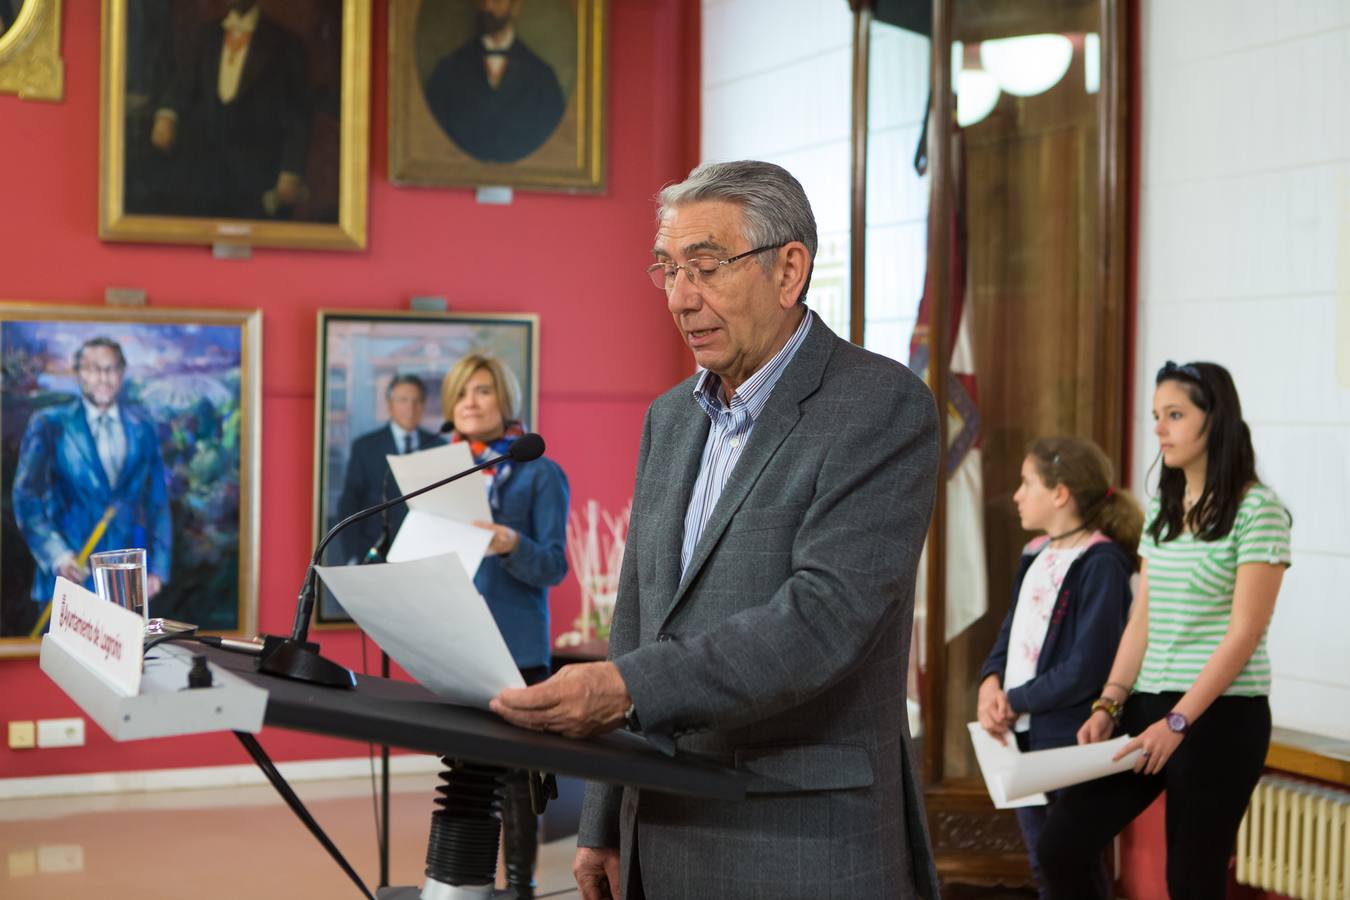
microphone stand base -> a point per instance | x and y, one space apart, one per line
300 661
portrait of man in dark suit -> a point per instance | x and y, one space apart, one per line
9 11
368 480
229 128
85 460
493 96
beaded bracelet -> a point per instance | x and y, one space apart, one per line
1108 706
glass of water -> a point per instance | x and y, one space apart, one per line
119 577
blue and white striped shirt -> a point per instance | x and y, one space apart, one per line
731 427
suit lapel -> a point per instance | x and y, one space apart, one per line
78 431
128 422
680 464
260 49
799 380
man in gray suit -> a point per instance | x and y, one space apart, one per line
783 495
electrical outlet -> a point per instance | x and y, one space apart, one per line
60 732
55 858
22 736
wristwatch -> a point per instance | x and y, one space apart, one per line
631 718
1177 722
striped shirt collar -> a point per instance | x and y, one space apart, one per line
751 396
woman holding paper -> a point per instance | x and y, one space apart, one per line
1191 675
526 557
1069 606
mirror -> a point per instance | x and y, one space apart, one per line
1032 169
30 49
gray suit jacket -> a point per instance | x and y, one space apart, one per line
783 650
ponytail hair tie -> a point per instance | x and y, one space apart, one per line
1110 492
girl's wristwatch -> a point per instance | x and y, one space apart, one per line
1177 722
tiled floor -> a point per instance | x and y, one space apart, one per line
223 844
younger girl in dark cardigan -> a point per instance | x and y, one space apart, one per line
1070 602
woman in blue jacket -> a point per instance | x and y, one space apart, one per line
525 558
1070 602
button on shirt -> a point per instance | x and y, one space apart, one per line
730 431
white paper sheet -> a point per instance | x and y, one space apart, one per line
428 617
1021 775
995 759
424 534
464 500
438 521
1050 770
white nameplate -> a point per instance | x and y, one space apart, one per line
102 635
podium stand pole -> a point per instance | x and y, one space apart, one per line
384 792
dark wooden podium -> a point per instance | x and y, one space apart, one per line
482 745
477 746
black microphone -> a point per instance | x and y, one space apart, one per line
298 657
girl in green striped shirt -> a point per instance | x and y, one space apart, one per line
1191 675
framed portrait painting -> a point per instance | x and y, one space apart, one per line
30 49
378 393
235 122
124 428
497 92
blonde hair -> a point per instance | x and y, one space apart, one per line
508 389
1082 467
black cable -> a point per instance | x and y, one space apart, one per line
165 638
260 757
209 640
376 799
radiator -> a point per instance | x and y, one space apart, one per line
1295 840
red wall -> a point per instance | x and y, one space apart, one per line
607 346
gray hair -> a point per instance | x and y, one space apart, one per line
106 343
772 202
405 378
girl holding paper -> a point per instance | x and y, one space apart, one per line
1069 606
1191 675
526 557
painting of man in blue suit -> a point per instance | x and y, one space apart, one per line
80 459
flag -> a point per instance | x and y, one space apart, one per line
967 594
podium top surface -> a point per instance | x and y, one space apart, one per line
404 714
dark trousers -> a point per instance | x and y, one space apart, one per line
1208 780
1032 819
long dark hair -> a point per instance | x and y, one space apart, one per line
1230 461
1083 468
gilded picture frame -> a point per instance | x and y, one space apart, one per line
30 49
358 354
182 388
515 102
283 162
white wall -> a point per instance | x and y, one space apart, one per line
776 85
1245 261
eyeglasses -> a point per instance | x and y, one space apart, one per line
702 270
105 371
1172 370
